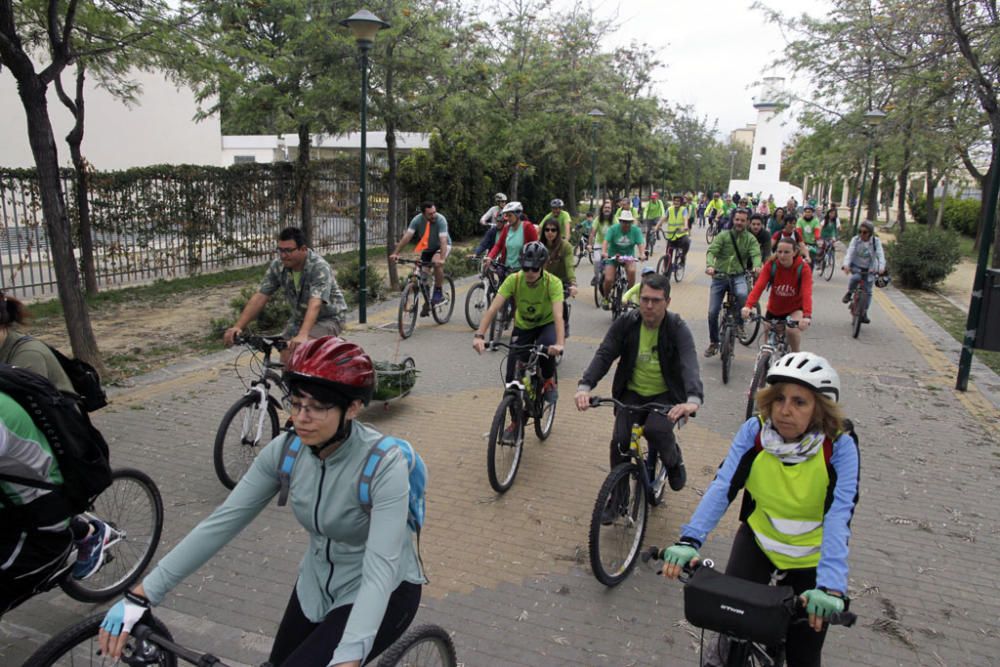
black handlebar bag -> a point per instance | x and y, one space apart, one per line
747 610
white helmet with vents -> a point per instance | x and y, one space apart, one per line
809 370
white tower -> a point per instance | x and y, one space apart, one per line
765 162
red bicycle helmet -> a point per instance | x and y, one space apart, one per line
335 363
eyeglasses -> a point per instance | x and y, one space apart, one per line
314 411
531 269
651 300
285 251
551 229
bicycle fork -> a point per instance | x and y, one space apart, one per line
262 394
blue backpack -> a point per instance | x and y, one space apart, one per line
415 464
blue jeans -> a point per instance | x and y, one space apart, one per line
489 240
715 295
856 278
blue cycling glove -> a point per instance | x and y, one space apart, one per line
124 615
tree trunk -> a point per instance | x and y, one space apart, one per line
628 174
930 184
305 182
571 195
513 183
81 178
43 149
903 181
939 218
871 206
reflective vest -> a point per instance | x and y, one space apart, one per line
677 219
789 504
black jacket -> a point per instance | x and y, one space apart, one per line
678 358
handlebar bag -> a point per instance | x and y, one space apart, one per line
747 610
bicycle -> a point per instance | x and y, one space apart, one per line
618 287
132 509
523 399
581 248
151 643
480 295
420 282
826 261
728 330
775 348
618 521
252 421
858 304
652 236
668 264
752 619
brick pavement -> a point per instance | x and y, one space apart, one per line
510 576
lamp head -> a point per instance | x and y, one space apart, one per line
363 25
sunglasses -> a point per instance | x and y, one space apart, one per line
551 229
527 269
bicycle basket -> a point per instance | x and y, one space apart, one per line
741 608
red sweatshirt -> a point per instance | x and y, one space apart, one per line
788 293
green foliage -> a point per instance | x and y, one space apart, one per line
349 280
960 215
923 256
272 319
457 265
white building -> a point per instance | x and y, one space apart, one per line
765 161
275 148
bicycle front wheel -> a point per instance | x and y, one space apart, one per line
710 232
502 322
506 443
409 304
476 303
831 262
545 415
679 270
618 524
242 433
759 377
429 645
750 331
77 645
133 511
442 311
663 266
726 336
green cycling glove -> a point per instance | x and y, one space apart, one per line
679 554
822 604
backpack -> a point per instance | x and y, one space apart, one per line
417 475
78 447
84 377
774 271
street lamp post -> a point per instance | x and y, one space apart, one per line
873 118
363 25
697 173
595 116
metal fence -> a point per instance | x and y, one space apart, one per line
168 222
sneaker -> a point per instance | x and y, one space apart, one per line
90 551
509 436
549 391
605 304
711 350
847 298
425 311
593 281
437 298
741 332
865 320
677 476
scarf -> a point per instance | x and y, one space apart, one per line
790 452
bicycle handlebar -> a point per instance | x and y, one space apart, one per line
542 350
659 408
787 321
418 262
262 343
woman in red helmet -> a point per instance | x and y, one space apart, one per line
359 582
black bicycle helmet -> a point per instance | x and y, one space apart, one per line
534 255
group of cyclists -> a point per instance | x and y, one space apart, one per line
359 583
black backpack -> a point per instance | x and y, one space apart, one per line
77 445
84 377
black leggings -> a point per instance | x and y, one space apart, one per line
804 645
302 643
658 429
543 335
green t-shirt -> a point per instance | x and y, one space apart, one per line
620 243
297 279
809 228
654 210
533 302
647 377
564 221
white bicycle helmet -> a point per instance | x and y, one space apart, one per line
513 207
626 216
809 370
501 197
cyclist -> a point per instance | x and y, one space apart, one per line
790 231
562 217
678 228
653 215
799 472
625 205
359 582
657 363
560 264
810 226
622 240
790 280
864 252
731 253
516 234
715 208
309 286
433 244
538 315
631 296
756 228
702 204
831 229
776 222
492 220
23 448
604 221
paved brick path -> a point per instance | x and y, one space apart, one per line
510 575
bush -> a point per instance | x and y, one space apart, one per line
960 215
458 265
272 319
923 256
349 278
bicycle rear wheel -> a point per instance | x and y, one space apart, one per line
133 511
545 414
409 304
618 524
759 377
750 332
679 270
476 303
429 645
77 645
242 433
503 458
442 311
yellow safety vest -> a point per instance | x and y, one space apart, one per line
677 219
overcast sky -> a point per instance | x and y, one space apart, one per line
713 50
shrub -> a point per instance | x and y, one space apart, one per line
349 275
272 319
458 265
960 215
923 256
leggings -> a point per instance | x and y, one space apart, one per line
302 643
543 335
